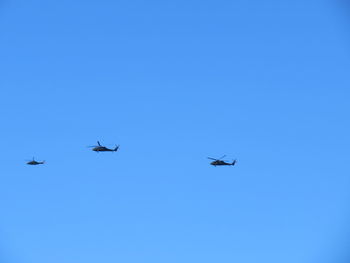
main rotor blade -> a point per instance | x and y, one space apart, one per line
222 157
212 159
98 143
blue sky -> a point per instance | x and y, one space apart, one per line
173 82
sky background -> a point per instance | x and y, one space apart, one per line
173 82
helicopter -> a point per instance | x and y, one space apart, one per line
220 162
99 148
33 162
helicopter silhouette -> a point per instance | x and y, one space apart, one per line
220 162
99 148
33 162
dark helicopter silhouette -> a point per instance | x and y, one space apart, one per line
100 148
33 162
219 162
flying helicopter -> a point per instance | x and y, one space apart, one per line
33 162
220 162
100 148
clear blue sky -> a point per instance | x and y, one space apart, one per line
173 82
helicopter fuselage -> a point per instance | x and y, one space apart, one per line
103 149
34 163
221 163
